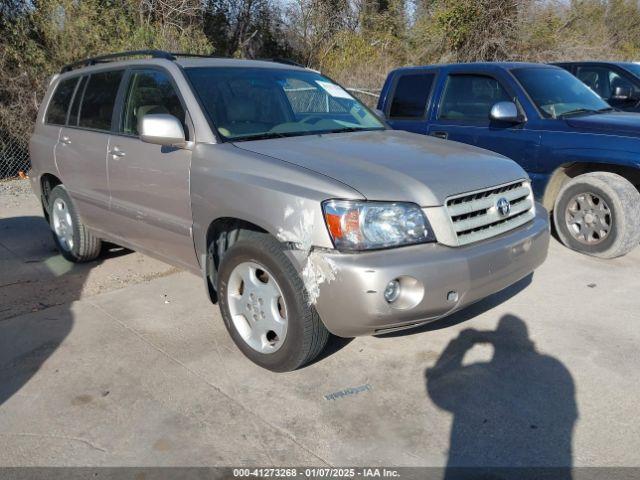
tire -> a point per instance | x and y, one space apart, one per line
73 239
614 202
305 336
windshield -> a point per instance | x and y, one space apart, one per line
633 68
258 103
557 93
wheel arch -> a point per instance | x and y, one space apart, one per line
48 182
567 171
221 234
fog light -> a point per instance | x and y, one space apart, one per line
392 291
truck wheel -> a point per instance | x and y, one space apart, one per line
72 238
597 214
264 305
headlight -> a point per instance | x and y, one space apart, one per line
360 225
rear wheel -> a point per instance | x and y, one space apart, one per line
72 238
264 305
596 214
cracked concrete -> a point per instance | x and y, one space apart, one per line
118 376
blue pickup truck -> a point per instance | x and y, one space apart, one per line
582 155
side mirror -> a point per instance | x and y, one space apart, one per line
505 112
161 129
622 93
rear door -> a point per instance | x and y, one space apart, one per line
408 107
149 183
82 149
463 115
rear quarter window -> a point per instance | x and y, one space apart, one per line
57 111
99 100
411 95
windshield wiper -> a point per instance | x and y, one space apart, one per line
578 111
265 136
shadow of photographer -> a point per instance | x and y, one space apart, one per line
516 410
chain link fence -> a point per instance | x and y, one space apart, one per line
14 152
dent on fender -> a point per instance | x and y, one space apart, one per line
298 227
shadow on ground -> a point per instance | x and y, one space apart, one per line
516 410
33 277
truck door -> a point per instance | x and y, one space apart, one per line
410 96
463 116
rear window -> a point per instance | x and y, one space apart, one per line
99 100
411 95
57 112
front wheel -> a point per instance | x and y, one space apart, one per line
264 305
597 214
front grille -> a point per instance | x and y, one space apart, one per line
475 216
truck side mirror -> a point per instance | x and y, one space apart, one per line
505 112
161 129
622 93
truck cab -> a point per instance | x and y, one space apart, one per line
580 153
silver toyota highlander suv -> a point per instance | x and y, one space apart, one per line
302 211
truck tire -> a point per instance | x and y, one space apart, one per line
597 214
72 238
265 307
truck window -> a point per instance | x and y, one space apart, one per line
150 91
99 100
411 94
470 97
57 112
603 80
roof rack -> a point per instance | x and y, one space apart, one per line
113 56
153 54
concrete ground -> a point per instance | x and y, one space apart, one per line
125 362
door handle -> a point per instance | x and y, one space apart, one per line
442 135
117 152
65 139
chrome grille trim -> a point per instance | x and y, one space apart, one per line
474 216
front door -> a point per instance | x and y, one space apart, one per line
463 116
149 183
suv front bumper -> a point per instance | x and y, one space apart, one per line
440 279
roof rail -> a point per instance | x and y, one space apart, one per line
154 54
113 56
285 61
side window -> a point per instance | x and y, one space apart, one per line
596 78
57 111
75 106
470 97
99 100
150 92
411 95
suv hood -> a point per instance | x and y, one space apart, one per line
394 165
614 123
